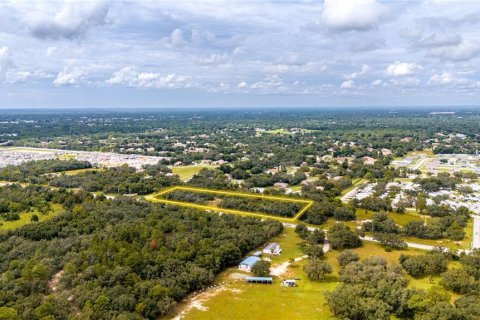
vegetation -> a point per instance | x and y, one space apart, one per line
122 258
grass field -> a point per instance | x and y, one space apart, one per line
25 218
234 299
186 172
158 197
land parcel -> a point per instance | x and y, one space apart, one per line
284 209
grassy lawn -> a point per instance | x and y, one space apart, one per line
74 172
238 300
296 188
25 218
187 172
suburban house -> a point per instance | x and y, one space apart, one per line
273 249
247 264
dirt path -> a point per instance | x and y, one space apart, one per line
197 300
280 269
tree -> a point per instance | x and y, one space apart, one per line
341 237
421 202
317 269
261 268
347 256
458 281
7 313
390 240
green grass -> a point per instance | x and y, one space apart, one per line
74 172
26 216
400 218
296 188
186 172
239 300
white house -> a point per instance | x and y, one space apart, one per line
273 249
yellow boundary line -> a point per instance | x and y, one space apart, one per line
157 198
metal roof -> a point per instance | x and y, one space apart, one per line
259 279
250 261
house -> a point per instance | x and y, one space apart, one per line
264 280
368 160
247 264
386 152
281 185
273 248
272 171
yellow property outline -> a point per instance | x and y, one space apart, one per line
156 198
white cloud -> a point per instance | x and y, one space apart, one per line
462 52
349 84
6 61
242 85
213 59
73 20
69 76
406 82
402 69
441 40
377 83
344 15
364 69
177 38
444 78
130 76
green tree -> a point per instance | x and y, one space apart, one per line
261 268
317 269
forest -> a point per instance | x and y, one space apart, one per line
123 259
257 205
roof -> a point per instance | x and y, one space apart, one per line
272 246
257 253
250 261
259 278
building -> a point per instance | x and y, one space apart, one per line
264 280
247 264
281 185
273 249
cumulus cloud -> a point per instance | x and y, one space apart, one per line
349 84
73 20
440 40
177 38
364 69
6 61
131 77
461 52
69 76
402 69
444 78
345 15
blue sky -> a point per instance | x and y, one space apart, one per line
235 53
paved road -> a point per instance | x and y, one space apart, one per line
476 232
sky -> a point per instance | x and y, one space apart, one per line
239 53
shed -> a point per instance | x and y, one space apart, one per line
264 280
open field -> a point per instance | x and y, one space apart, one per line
158 198
234 299
186 172
26 216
